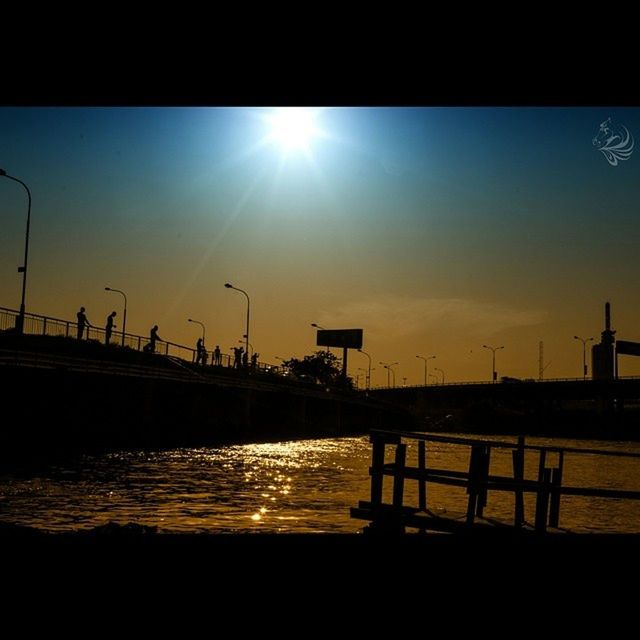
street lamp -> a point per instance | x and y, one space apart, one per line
124 315
425 366
493 351
393 373
388 366
441 371
23 269
204 339
584 355
250 345
368 376
246 335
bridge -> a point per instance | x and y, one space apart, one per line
531 406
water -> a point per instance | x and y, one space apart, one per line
302 487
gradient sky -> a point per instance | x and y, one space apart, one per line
436 230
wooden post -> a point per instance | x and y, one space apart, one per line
422 482
472 483
518 476
556 485
542 503
377 466
398 477
483 479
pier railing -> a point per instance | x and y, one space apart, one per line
478 481
37 324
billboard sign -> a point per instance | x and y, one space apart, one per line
346 338
628 348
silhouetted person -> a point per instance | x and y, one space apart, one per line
82 323
109 328
217 355
153 338
245 359
254 360
200 351
237 357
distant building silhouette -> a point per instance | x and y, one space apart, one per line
603 354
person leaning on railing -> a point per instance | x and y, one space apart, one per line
153 337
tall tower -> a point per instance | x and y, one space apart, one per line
602 355
540 360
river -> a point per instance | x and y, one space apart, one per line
298 486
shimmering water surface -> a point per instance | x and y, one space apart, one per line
302 486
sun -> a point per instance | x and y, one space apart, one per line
293 128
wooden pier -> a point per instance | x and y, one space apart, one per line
396 516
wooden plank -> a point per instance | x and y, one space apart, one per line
542 503
556 485
518 476
377 477
398 478
472 484
485 463
428 437
422 482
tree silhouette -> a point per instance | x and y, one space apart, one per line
322 367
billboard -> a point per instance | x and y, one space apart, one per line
348 338
628 348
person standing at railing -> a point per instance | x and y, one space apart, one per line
153 338
109 328
82 322
200 352
217 356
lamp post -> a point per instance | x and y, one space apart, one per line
584 355
250 345
204 338
23 269
369 374
393 373
441 371
425 366
493 351
246 335
124 315
388 366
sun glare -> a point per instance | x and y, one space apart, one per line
293 128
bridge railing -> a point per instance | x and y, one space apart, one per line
37 324
489 382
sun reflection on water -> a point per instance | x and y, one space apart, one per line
302 486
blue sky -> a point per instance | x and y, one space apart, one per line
435 229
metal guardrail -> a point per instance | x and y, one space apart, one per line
37 324
489 382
